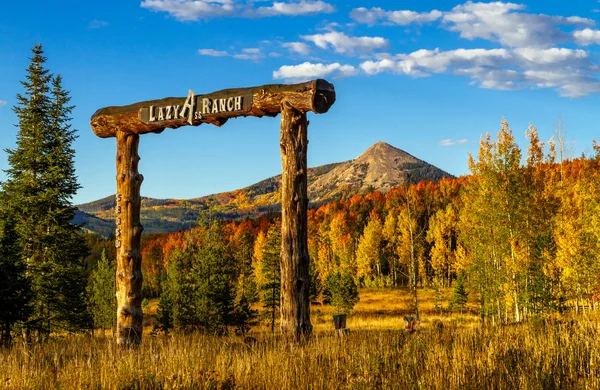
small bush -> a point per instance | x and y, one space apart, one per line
341 292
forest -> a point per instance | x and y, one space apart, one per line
521 237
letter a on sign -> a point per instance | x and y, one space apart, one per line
189 107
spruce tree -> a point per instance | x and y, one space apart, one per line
341 291
271 272
101 293
459 295
15 289
40 186
199 290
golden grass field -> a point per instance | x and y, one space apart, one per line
377 353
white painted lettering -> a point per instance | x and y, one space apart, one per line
168 115
188 107
161 113
238 103
222 105
151 115
230 104
215 106
205 106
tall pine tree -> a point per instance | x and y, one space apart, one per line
15 289
40 186
270 271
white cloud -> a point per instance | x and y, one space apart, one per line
190 10
452 142
252 54
569 71
551 56
422 62
297 47
295 9
97 23
489 78
569 82
186 10
345 44
587 36
402 18
309 70
3 103
212 53
504 23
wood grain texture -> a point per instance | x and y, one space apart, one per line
295 303
316 96
128 236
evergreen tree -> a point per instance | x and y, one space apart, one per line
459 295
200 287
164 313
101 294
40 186
271 272
244 317
314 288
341 292
15 289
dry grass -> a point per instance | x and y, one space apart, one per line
377 353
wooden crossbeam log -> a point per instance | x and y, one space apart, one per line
216 108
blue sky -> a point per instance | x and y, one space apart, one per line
429 77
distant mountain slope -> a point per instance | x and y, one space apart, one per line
94 224
380 167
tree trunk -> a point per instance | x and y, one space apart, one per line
128 235
295 303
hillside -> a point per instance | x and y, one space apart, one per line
380 167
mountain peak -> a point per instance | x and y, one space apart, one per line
381 145
384 152
382 166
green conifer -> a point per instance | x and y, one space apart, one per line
40 186
101 294
15 289
459 295
271 272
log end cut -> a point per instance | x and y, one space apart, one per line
324 96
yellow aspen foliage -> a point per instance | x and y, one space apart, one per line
257 257
369 249
442 236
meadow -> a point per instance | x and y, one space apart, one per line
562 352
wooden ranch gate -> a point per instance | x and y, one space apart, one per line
127 123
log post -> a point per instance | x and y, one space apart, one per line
295 303
127 241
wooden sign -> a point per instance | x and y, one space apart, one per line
214 108
196 108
